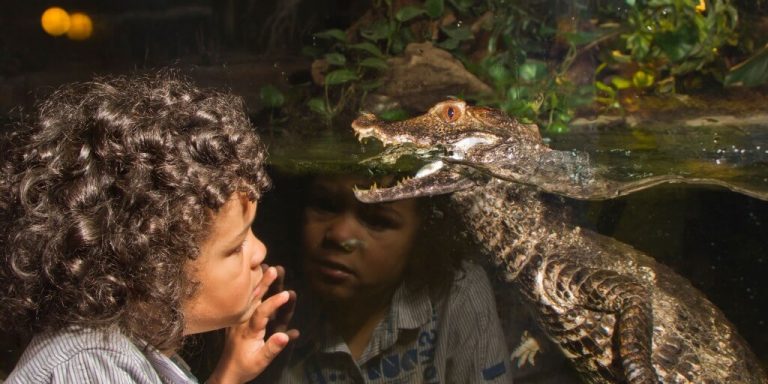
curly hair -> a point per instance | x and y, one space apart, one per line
106 196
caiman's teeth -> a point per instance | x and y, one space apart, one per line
404 180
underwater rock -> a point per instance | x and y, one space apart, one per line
424 75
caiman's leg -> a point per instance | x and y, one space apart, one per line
607 291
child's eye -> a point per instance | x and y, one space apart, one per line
324 204
239 249
378 222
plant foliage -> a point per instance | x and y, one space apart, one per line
533 53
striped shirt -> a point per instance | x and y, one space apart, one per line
456 339
82 355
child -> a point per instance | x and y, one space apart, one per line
126 226
382 303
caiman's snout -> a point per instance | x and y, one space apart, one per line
366 120
366 125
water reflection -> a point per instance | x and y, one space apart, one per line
712 236
383 297
733 153
722 153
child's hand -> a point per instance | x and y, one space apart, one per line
282 318
246 352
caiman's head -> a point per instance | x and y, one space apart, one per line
457 140
465 146
451 124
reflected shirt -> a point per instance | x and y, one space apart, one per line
83 355
456 339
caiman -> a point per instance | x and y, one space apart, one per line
617 314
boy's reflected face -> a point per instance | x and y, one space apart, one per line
354 250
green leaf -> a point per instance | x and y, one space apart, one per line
408 12
398 43
337 34
448 44
376 31
460 33
317 105
271 96
434 8
462 5
532 70
340 76
368 47
620 57
498 72
605 88
335 59
374 62
564 116
394 114
631 3
371 85
620 82
639 45
666 86
677 45
517 93
642 79
752 72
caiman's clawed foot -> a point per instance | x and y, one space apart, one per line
526 351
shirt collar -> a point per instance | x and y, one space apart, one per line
409 310
172 370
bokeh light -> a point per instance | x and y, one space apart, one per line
55 21
80 27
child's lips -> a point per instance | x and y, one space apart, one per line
333 270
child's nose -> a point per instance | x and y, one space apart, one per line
344 227
259 251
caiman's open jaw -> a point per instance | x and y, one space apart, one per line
448 131
463 145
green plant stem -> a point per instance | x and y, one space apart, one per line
329 111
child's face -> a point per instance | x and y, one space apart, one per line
228 270
353 250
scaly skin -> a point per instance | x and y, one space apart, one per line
615 313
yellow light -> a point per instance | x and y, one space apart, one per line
80 27
702 6
55 21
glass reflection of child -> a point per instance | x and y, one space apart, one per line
126 225
383 306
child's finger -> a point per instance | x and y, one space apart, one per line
267 278
284 315
293 334
274 345
280 278
266 309
279 284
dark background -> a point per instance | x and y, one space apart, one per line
241 44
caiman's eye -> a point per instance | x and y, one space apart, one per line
451 114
